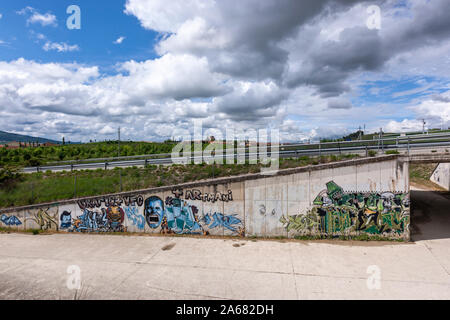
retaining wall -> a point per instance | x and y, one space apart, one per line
364 196
441 175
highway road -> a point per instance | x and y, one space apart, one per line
433 143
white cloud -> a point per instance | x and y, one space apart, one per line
119 40
435 110
296 65
171 76
405 125
46 19
60 47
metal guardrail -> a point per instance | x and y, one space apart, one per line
396 139
294 150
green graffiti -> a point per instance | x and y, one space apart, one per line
336 212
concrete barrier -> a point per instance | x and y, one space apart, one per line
350 198
441 175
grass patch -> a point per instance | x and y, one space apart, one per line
392 152
361 237
42 187
419 174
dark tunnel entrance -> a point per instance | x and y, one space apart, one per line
430 205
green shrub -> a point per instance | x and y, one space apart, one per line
392 152
372 153
9 175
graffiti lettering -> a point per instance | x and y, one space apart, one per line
339 212
111 201
45 220
10 221
230 222
107 220
196 194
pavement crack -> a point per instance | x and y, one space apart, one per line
187 293
435 258
293 271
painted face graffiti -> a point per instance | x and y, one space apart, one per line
115 216
154 211
178 216
66 220
181 217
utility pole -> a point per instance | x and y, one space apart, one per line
118 155
382 142
118 143
423 126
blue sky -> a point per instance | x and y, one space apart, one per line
297 66
103 22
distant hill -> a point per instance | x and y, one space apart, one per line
9 137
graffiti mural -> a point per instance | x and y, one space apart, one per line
230 222
105 220
66 220
175 215
45 220
335 211
10 221
205 197
135 218
111 201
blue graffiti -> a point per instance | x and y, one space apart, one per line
66 220
230 222
154 211
181 217
178 216
10 221
91 221
133 216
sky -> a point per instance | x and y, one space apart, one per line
310 69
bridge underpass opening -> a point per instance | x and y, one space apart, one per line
430 203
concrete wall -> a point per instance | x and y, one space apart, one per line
441 175
367 196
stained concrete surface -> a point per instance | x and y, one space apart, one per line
133 267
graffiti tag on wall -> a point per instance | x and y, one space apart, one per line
196 194
337 212
66 220
106 220
45 220
10 220
111 201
